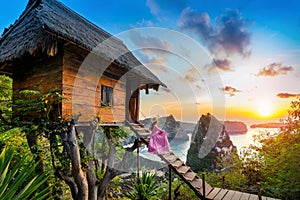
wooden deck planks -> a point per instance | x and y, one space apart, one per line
229 195
245 196
221 194
253 197
213 193
237 195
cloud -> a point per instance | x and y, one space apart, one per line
154 7
287 95
196 22
223 65
192 75
144 23
229 35
274 69
158 6
231 91
149 42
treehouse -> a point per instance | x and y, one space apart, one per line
51 47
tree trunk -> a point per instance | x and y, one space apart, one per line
77 172
32 140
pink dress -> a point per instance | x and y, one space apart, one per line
158 141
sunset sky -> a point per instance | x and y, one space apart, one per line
238 59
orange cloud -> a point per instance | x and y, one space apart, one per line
222 64
274 69
287 95
231 91
191 75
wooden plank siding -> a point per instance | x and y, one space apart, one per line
82 84
38 73
41 73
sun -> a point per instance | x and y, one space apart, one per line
265 109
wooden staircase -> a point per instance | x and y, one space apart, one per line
202 189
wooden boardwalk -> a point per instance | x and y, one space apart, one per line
202 189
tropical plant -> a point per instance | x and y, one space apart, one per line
274 160
5 101
144 188
12 179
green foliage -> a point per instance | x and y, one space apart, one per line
231 176
144 188
185 192
15 140
12 179
5 102
274 161
200 164
35 105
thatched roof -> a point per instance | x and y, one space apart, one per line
44 22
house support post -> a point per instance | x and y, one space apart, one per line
170 182
259 191
203 185
138 159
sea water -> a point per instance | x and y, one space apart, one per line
180 147
245 140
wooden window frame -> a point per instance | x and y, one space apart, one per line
107 96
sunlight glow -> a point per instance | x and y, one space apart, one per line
265 109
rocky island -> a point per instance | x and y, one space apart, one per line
210 144
235 127
269 125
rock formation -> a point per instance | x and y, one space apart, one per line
210 142
235 127
169 124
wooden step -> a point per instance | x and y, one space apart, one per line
183 169
144 134
170 158
177 163
142 129
190 176
197 183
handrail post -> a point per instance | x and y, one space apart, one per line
138 160
259 191
203 184
170 182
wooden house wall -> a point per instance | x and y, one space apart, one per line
82 79
42 73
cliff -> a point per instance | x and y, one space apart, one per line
210 142
174 128
235 127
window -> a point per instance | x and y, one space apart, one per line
106 96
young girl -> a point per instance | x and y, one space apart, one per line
159 143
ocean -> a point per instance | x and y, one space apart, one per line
180 147
244 140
